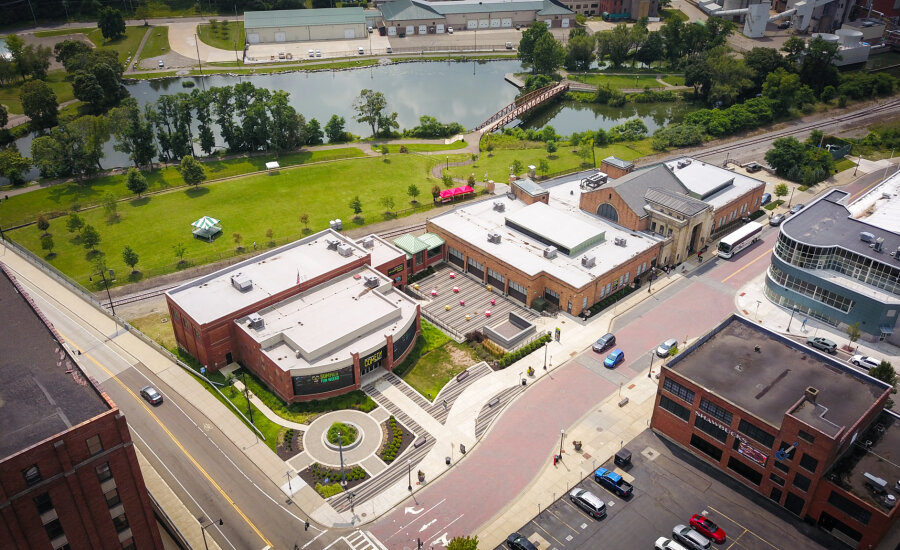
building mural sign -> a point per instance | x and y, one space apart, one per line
324 381
396 269
744 447
372 361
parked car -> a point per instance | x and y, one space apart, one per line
518 27
785 24
312 53
752 167
614 358
865 362
318 53
662 543
390 49
776 220
605 341
151 395
663 349
613 482
822 344
517 542
508 45
371 30
690 537
160 64
796 208
360 50
589 502
450 30
707 528
765 199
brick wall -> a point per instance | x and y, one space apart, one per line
591 201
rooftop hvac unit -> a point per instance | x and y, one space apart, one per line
879 244
333 244
550 252
256 321
684 163
897 255
620 241
866 237
336 225
494 238
588 261
596 180
345 250
241 282
298 354
499 206
368 242
878 485
371 281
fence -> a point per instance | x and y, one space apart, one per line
298 53
90 299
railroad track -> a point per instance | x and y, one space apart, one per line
402 231
137 297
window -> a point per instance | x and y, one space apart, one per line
112 497
849 507
809 463
794 504
744 471
436 251
710 429
775 494
128 544
703 445
54 529
103 472
420 258
43 503
120 522
801 482
758 434
715 411
32 476
674 408
777 479
806 437
782 466
94 444
678 390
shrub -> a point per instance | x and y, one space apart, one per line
329 490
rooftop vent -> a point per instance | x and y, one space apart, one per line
594 180
371 281
684 163
588 261
333 244
368 242
241 282
494 238
878 485
345 250
812 393
256 321
337 224
620 241
879 244
298 354
867 237
550 252
499 206
897 255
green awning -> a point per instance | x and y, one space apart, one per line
410 244
431 240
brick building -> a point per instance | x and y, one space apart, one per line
308 318
69 476
800 428
538 243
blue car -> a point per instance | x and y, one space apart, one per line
614 358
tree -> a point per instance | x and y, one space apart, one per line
74 223
43 224
192 171
517 167
586 150
334 129
285 132
304 219
179 249
463 543
817 68
136 182
549 55
13 164
781 190
884 372
579 53
530 36
110 207
47 244
90 238
271 236
67 50
413 192
435 191
764 61
388 204
202 102
543 166
447 180
853 333
111 23
237 238
653 49
130 257
39 104
370 107
134 132
314 134
4 116
356 205
551 148
729 77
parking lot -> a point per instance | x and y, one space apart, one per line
669 486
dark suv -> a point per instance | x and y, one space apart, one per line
606 341
518 542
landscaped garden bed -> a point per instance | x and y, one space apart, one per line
327 480
290 443
394 440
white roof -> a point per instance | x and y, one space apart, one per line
213 296
712 184
381 251
881 205
321 328
556 225
472 224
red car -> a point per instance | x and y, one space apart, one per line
708 528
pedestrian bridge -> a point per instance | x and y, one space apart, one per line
522 105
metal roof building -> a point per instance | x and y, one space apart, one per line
303 25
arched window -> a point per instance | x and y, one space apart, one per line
608 211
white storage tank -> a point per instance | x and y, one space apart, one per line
849 37
827 37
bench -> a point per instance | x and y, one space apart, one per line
623 402
493 402
419 442
462 376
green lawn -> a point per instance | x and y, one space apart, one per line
674 79
437 367
64 32
268 428
157 44
843 164
497 166
9 95
125 46
617 81
59 198
227 35
248 206
428 147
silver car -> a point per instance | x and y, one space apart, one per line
664 348
690 537
589 502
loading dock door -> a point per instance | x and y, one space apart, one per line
410 30
423 29
279 37
506 22
253 38
392 31
349 33
565 23
484 23
472 24
440 29
495 23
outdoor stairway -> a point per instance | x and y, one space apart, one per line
488 413
398 413
453 389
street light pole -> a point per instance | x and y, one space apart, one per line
562 435
793 311
791 198
341 454
203 530
546 344
409 474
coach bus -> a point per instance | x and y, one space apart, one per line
734 242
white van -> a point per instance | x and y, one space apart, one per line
360 50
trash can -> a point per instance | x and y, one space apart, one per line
524 382
447 460
623 458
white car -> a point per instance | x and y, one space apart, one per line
662 543
865 362
450 30
318 53
663 349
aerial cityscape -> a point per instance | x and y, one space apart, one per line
652 301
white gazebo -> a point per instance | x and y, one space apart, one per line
206 227
272 166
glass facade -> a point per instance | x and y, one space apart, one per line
810 289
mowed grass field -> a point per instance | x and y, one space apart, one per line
249 206
618 81
9 95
